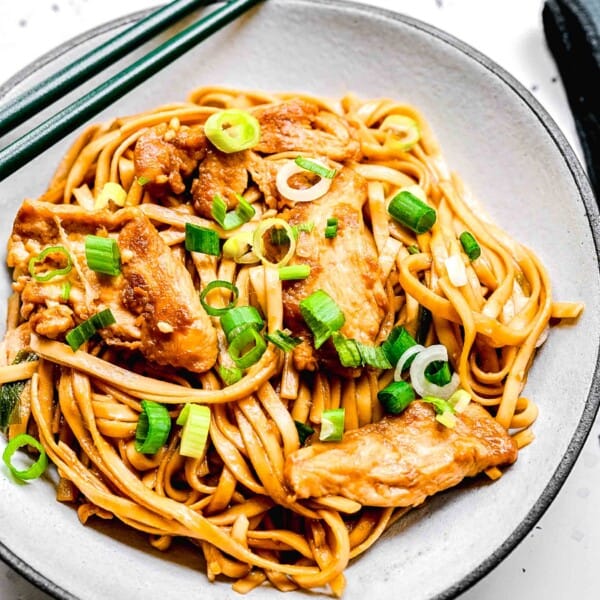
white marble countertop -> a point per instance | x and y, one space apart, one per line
558 559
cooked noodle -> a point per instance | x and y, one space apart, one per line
234 502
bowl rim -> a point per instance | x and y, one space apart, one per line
580 178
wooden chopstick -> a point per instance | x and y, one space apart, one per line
42 137
46 92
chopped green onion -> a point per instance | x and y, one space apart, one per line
232 130
459 400
143 180
86 330
10 392
304 431
65 291
260 245
283 340
102 255
39 259
288 272
397 343
230 375
412 212
214 311
403 132
238 246
332 228
247 347
347 350
396 396
302 227
315 167
424 319
195 419
413 249
36 469
332 425
110 191
242 213
322 315
373 356
444 410
201 239
470 245
438 372
239 318
153 427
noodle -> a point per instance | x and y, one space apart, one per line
233 501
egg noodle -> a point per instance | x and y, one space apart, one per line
232 502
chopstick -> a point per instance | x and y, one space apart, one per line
45 135
49 90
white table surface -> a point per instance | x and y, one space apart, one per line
559 558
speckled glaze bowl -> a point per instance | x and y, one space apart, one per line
514 160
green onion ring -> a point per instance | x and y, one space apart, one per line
213 311
36 469
34 260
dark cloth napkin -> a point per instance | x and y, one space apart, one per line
572 29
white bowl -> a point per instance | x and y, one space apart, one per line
514 160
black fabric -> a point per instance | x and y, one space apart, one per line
572 29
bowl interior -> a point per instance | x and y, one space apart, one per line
514 161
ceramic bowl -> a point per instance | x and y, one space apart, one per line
514 160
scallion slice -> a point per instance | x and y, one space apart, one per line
86 330
396 396
397 343
201 239
214 311
373 356
230 375
242 213
50 274
304 431
110 191
239 318
412 212
332 425
247 347
153 428
403 132
232 130
283 340
315 167
413 249
332 228
322 315
302 227
263 235
195 419
238 248
470 245
65 291
102 255
444 410
36 469
347 350
10 392
438 372
289 272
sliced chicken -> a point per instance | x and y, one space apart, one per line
345 266
402 460
156 307
175 329
300 126
166 157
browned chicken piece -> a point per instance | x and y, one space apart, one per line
175 329
300 126
161 316
402 460
165 157
220 174
345 266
